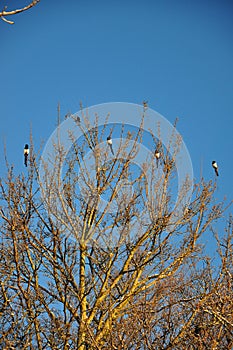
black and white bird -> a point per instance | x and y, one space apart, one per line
109 142
26 153
157 156
215 166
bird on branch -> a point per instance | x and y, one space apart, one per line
157 156
109 142
215 166
26 153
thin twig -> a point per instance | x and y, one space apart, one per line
9 13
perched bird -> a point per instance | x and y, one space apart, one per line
215 166
109 142
77 119
26 153
68 115
157 156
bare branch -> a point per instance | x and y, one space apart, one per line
5 13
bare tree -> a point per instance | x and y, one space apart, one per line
5 13
78 272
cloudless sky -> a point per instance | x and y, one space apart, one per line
178 55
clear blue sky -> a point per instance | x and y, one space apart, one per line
178 55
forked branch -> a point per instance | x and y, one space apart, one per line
5 13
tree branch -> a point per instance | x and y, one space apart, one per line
14 12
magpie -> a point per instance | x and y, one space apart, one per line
109 142
215 166
26 153
157 156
